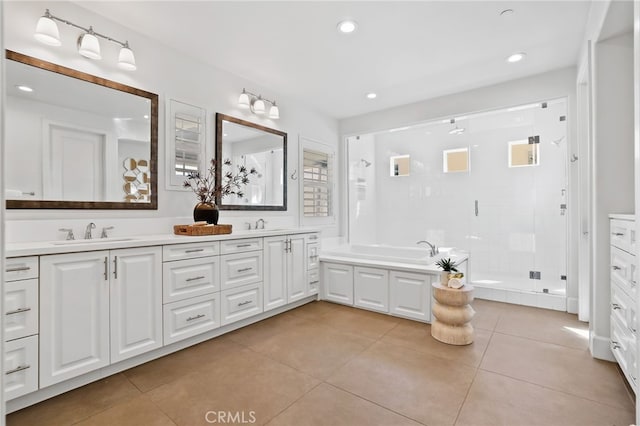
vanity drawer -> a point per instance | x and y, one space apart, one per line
623 346
623 235
240 269
313 256
240 303
189 278
624 270
239 246
313 279
20 308
623 309
190 317
20 367
312 238
189 251
21 268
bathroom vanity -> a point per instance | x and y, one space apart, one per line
81 310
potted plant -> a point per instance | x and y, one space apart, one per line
207 190
448 266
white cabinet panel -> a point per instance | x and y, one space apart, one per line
296 276
371 288
190 278
337 282
275 276
313 277
74 315
136 302
21 268
240 303
623 234
313 256
20 367
410 295
191 317
240 246
190 250
20 308
240 269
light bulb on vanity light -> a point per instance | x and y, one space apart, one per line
126 60
47 30
243 100
89 46
258 106
274 111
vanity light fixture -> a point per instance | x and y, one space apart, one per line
456 130
88 43
257 104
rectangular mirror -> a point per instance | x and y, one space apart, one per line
254 146
77 141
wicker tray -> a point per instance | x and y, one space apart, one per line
198 230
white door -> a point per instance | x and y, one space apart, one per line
74 315
74 165
136 301
275 272
296 267
371 288
410 295
337 282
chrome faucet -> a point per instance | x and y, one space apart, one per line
104 231
434 250
87 231
69 232
258 222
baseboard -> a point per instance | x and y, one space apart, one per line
572 305
599 347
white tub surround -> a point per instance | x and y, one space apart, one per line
110 304
386 279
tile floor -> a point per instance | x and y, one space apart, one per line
326 364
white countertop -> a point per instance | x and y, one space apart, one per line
75 246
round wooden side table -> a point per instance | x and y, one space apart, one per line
452 314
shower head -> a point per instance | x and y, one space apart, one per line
557 141
366 163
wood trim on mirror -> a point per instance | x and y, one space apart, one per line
219 119
153 166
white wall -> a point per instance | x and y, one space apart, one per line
613 168
170 74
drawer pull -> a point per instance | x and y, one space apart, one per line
615 345
18 311
195 278
617 234
615 267
615 306
196 317
18 368
243 245
194 250
18 268
245 269
313 237
246 302
314 282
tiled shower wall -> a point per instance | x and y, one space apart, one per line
520 226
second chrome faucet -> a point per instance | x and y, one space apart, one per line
434 250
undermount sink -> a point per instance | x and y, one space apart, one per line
92 241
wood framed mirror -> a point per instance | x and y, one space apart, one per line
77 141
254 146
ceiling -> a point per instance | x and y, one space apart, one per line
403 51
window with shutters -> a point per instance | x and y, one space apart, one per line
186 142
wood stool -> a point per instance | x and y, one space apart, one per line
452 314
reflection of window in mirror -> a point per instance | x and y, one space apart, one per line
317 183
399 165
186 141
523 154
455 160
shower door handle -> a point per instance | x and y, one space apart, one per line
476 207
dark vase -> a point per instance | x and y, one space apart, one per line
207 212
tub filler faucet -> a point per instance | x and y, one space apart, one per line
434 250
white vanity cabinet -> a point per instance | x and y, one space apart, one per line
371 288
337 281
285 280
410 295
98 308
21 327
624 277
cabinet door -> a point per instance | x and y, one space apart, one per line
371 288
296 269
136 301
74 315
337 282
410 295
275 272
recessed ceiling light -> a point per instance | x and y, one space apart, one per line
507 13
371 95
347 26
516 57
24 88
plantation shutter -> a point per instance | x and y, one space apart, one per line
187 144
317 176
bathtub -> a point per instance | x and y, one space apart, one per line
418 256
